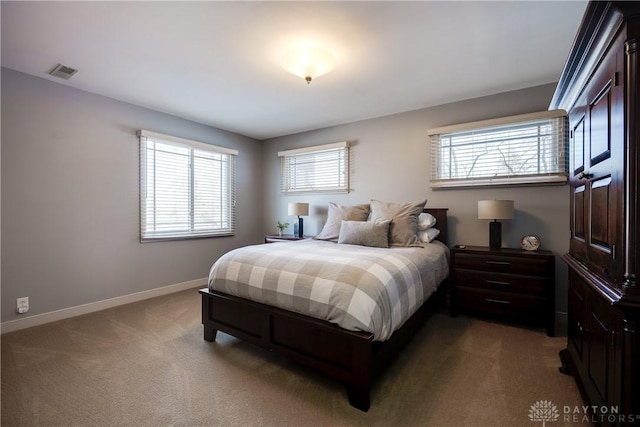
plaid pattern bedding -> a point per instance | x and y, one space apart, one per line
358 288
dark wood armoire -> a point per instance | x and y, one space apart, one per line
599 90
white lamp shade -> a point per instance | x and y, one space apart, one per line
298 209
495 209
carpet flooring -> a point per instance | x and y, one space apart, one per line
146 364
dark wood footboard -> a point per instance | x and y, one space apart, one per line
353 358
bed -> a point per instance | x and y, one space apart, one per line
351 351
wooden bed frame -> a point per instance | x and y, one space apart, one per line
353 358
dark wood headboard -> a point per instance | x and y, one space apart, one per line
440 215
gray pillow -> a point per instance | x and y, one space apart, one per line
365 233
336 214
404 220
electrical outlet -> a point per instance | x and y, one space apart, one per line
22 305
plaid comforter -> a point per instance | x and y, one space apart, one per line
358 288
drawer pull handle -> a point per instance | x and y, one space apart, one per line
497 282
498 262
499 301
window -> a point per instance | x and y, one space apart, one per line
187 188
525 149
322 168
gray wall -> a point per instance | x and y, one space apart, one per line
69 184
70 198
391 163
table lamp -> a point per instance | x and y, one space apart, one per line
495 210
299 210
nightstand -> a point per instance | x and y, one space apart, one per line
509 284
272 238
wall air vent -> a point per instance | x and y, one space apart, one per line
63 71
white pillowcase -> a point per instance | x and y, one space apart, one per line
429 235
426 221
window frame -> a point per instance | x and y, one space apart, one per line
222 162
339 178
442 175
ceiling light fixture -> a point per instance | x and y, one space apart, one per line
308 63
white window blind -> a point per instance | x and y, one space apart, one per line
525 149
322 168
187 188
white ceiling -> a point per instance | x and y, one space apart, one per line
218 63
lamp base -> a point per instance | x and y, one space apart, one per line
300 230
495 235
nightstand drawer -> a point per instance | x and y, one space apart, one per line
532 285
520 306
532 266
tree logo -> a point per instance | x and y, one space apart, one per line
544 410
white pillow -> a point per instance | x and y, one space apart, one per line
428 236
426 221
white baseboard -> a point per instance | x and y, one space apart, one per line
65 313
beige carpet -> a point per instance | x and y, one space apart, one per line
146 364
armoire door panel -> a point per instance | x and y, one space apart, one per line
578 212
598 355
600 201
578 147
578 240
576 318
600 127
602 344
604 160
